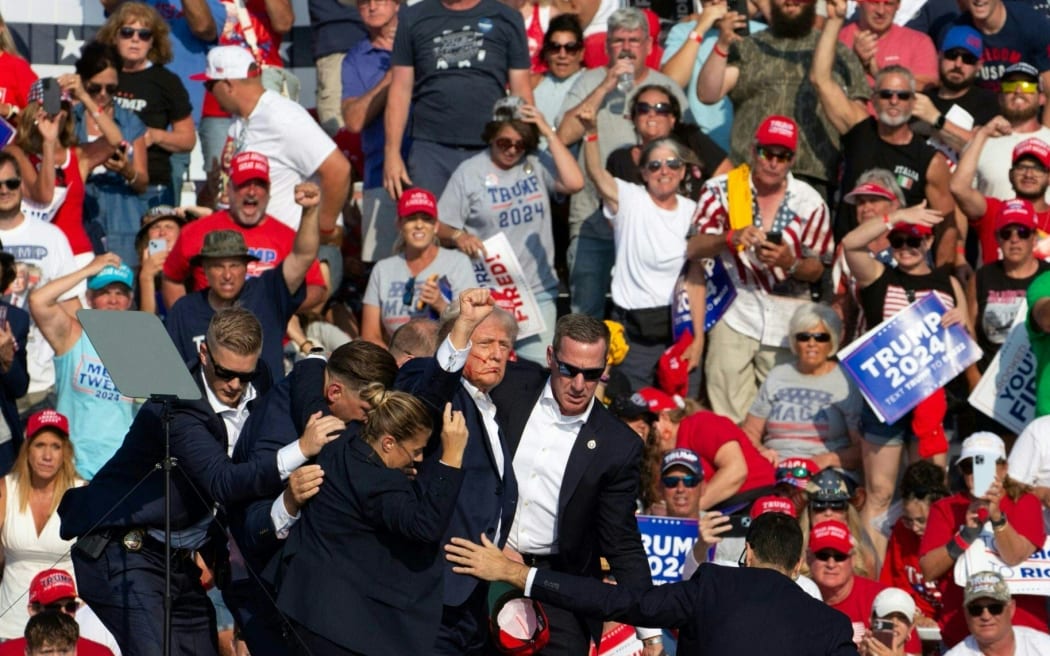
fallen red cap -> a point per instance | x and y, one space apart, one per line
656 400
672 370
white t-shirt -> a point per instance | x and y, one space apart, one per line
1029 460
993 167
650 247
293 142
42 253
1027 642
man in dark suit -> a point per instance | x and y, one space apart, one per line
14 378
577 468
119 516
475 343
757 609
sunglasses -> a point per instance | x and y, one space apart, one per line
821 506
1020 85
229 374
410 290
995 608
689 480
823 338
569 371
1009 231
143 33
672 163
503 143
966 56
900 240
94 89
572 47
660 108
830 554
11 183
900 94
1029 168
793 472
775 155
69 607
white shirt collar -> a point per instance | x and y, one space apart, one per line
218 406
548 401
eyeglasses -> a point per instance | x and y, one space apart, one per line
503 143
825 555
966 56
821 506
689 480
94 89
995 608
900 240
1008 232
672 163
660 108
143 33
11 183
823 338
1029 168
900 94
793 472
770 155
410 291
229 374
570 371
572 47
1023 86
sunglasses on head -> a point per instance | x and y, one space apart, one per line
976 610
823 338
900 94
672 163
793 472
1008 232
11 183
660 108
572 47
410 290
1024 86
223 373
503 143
900 240
770 155
821 506
570 371
966 56
689 480
94 89
830 554
143 33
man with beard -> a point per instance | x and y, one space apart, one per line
884 141
1020 97
766 74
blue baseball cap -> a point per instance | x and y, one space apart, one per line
965 37
110 274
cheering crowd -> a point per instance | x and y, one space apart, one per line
601 263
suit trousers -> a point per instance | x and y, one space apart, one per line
126 591
464 629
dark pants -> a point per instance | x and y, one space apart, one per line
464 629
126 591
569 633
259 623
308 643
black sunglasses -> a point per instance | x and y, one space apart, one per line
93 89
671 482
69 607
410 291
901 94
223 373
672 163
995 608
821 506
831 554
570 371
504 143
1009 231
572 47
770 155
793 472
661 108
899 240
11 183
128 32
823 338
966 56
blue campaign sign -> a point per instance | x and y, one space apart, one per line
904 359
666 541
720 293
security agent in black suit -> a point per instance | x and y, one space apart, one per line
119 516
472 358
757 609
577 468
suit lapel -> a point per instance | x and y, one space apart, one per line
583 451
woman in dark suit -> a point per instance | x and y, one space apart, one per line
362 574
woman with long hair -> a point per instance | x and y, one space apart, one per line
16 76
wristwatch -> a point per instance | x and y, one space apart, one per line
939 123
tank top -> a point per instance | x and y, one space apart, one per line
895 290
67 211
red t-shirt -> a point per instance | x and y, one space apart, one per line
901 570
857 607
270 241
706 432
85 647
985 227
16 77
268 42
70 214
946 516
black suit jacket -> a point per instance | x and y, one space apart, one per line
13 385
596 504
488 496
361 567
721 610
198 442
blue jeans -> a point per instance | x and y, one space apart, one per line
212 133
590 274
431 164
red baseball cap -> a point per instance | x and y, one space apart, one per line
772 503
672 370
796 472
778 130
417 201
518 624
50 585
47 419
868 189
249 166
1016 211
1034 148
656 399
831 534
912 229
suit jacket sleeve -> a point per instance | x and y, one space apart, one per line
425 379
618 535
423 519
16 379
307 392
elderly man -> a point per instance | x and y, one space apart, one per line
773 257
989 617
879 42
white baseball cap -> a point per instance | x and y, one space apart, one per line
893 600
229 63
982 444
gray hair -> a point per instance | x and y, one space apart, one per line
451 313
885 179
627 18
808 316
895 69
681 152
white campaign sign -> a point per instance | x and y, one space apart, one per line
500 272
1032 577
1006 391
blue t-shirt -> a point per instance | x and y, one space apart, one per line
1022 38
334 27
461 61
363 68
267 297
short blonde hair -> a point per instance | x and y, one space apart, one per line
235 329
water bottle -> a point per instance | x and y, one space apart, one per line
625 83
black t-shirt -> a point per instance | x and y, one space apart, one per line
622 165
158 97
980 103
999 298
894 290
